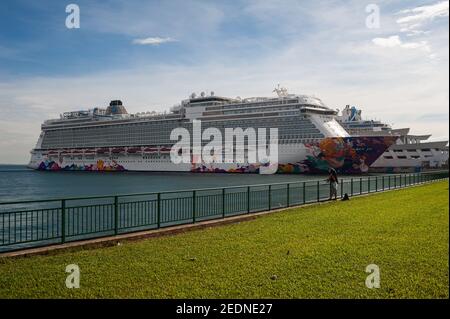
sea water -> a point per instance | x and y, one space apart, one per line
19 183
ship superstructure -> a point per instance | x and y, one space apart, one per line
409 152
351 120
309 137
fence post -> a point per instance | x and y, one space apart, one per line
193 206
288 193
158 207
376 184
116 215
368 184
223 202
389 179
63 221
248 199
318 191
342 188
270 197
304 192
360 186
351 186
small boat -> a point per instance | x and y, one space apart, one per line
165 150
133 150
151 150
102 150
118 150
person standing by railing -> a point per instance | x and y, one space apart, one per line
333 180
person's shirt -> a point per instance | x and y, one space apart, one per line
333 177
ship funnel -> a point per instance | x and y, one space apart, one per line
116 107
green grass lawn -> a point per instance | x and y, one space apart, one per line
317 251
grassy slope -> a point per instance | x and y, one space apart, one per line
404 232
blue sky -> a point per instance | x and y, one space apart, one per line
152 54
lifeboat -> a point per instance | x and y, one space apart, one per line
151 150
52 152
89 152
102 150
77 152
65 153
133 150
118 150
165 150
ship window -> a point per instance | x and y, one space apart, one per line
401 157
388 157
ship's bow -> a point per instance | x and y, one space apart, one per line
347 155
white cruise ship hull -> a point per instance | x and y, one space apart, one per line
345 154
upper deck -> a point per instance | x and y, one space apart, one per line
203 107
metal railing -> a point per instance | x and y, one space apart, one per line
26 224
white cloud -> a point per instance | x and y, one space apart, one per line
416 17
412 33
390 42
394 41
152 41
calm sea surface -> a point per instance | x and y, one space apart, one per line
19 183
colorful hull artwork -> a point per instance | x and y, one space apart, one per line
347 155
99 166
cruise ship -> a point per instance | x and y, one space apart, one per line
310 140
410 152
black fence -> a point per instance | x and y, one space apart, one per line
28 224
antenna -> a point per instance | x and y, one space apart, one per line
281 91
